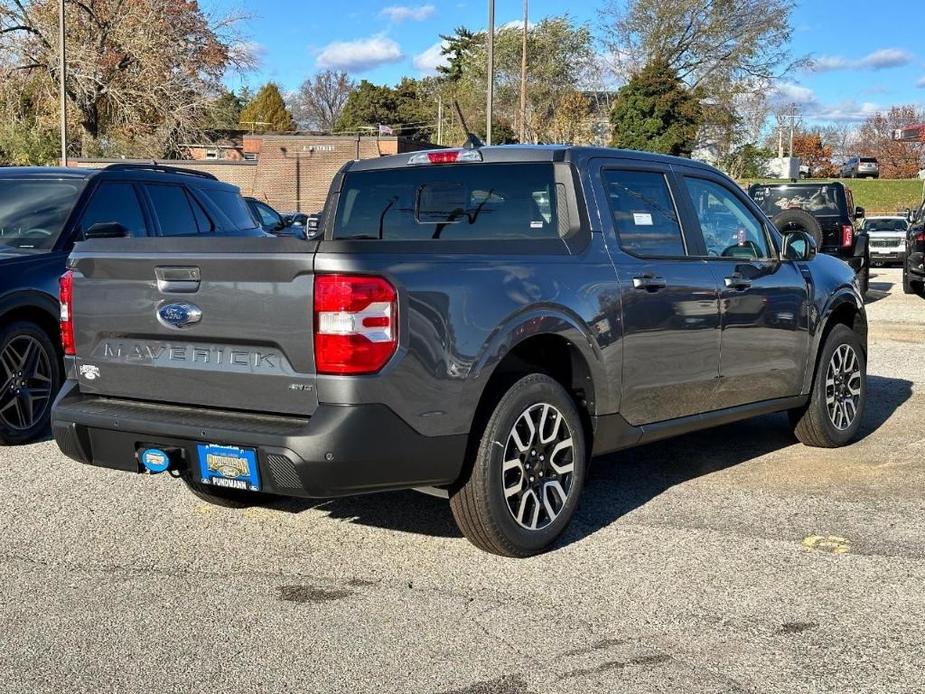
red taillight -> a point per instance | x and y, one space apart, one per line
448 157
356 330
920 237
66 296
847 236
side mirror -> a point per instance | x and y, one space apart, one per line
106 230
859 213
798 245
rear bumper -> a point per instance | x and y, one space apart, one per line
340 450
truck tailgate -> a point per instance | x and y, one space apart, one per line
214 322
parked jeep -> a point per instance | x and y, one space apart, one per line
478 323
825 211
42 212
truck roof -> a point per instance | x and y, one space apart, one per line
497 154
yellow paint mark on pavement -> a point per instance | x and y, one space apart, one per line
827 543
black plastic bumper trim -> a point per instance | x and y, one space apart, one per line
340 450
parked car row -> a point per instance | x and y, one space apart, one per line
476 323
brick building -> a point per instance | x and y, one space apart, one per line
290 172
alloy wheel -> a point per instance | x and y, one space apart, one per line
26 373
538 467
843 387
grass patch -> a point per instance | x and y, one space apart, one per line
877 196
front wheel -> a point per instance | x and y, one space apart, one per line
528 471
836 405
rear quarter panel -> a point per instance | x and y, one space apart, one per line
460 314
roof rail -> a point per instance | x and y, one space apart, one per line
154 166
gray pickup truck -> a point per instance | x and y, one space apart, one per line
477 322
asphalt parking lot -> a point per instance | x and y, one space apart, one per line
733 560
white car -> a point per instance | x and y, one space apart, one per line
887 238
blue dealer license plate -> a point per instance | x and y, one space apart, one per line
229 466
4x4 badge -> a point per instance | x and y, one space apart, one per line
89 371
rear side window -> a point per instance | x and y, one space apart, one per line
173 210
115 202
644 214
463 202
232 206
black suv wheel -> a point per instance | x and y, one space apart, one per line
911 286
30 373
836 406
528 472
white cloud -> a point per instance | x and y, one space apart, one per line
921 83
405 13
811 109
878 60
359 55
517 24
429 60
790 93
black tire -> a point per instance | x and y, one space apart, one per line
39 372
813 425
911 286
227 498
864 279
483 512
799 220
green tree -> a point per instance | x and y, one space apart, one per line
267 112
656 112
409 109
747 162
560 56
225 112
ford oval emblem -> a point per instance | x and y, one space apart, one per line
179 315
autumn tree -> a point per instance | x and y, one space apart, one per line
267 112
135 68
814 153
656 112
875 139
321 99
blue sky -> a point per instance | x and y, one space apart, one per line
867 58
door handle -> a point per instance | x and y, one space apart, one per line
178 280
649 282
736 281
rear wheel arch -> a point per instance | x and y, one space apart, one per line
33 308
552 354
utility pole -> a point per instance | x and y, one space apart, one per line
523 78
489 106
793 117
440 121
62 95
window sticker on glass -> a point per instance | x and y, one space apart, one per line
642 219
536 225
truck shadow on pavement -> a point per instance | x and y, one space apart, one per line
618 483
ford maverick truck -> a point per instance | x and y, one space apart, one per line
478 323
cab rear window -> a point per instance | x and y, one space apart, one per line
463 202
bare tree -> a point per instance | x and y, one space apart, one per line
704 41
320 100
144 68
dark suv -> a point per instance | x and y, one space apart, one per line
914 263
476 322
42 212
825 211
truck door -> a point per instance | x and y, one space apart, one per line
763 298
671 339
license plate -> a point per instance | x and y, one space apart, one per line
229 466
